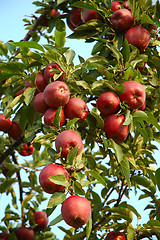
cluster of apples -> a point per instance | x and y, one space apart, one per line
11 127
55 94
108 104
75 210
38 222
121 20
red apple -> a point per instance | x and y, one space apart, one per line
75 16
15 131
114 128
40 82
122 19
70 25
143 107
76 108
126 5
54 13
138 37
49 72
4 235
50 115
76 211
26 150
89 15
115 236
115 5
40 218
5 123
134 94
39 103
48 171
108 103
56 94
24 233
67 140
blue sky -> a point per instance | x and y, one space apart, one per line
12 28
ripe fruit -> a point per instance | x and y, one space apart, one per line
126 5
75 16
115 5
49 171
26 150
114 128
40 82
41 219
108 103
56 94
122 19
39 103
5 123
50 115
89 15
115 236
76 108
54 13
15 131
70 25
76 211
138 37
67 140
24 233
134 94
49 72
4 235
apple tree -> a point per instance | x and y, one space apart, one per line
82 136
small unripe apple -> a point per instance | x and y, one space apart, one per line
89 15
26 150
40 82
5 123
39 103
4 235
56 94
138 37
122 19
76 108
40 218
67 140
115 236
15 131
114 128
108 103
134 94
75 16
24 233
115 5
50 115
48 171
49 72
76 211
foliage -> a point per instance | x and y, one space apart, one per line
118 168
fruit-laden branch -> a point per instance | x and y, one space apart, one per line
10 150
34 27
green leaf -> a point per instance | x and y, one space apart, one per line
145 182
27 198
56 220
71 155
71 123
157 174
70 55
56 199
118 151
89 228
126 170
140 114
91 6
60 38
28 95
97 176
60 179
28 44
123 212
97 47
12 104
153 120
126 50
60 1
146 20
57 117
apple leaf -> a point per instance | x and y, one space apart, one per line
56 220
56 198
88 228
60 37
122 212
71 155
131 232
146 19
28 44
125 167
126 50
118 151
28 95
11 105
60 179
145 182
153 120
91 5
157 174
70 54
57 117
97 176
